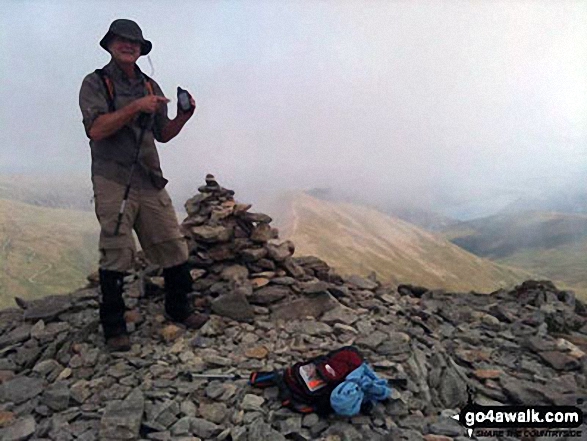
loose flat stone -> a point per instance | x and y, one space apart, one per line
342 314
292 268
269 294
233 305
56 396
21 389
122 419
171 333
217 360
21 430
260 430
259 282
314 287
560 360
203 428
258 352
211 234
362 283
372 340
6 418
283 281
305 307
252 254
235 273
280 252
252 403
487 374
18 335
214 412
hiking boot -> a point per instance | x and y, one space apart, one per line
120 343
112 304
178 283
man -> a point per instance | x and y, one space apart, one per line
121 108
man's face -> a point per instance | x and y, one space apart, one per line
124 51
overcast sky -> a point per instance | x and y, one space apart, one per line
419 99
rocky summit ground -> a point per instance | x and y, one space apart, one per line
269 310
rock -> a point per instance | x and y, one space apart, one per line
171 333
280 252
21 430
447 427
306 307
314 287
235 273
211 234
292 268
214 412
560 361
122 419
258 352
204 429
341 314
133 316
362 283
56 396
453 391
269 295
252 403
259 430
431 437
262 233
396 343
216 360
233 305
372 340
6 418
47 308
256 217
182 426
259 282
18 335
487 374
21 389
252 254
573 351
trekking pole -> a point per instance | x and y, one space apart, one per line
215 376
145 121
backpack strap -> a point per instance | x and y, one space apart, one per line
110 91
109 86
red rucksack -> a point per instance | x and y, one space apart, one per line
306 386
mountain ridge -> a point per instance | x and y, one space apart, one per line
394 249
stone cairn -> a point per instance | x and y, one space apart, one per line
271 309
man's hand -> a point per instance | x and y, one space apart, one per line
174 126
149 103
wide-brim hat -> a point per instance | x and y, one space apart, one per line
127 29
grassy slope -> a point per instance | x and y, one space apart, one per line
551 245
355 239
44 250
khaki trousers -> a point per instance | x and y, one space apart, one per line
152 216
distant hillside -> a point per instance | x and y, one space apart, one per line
63 191
562 203
409 212
551 245
44 250
355 239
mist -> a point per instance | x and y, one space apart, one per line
436 104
